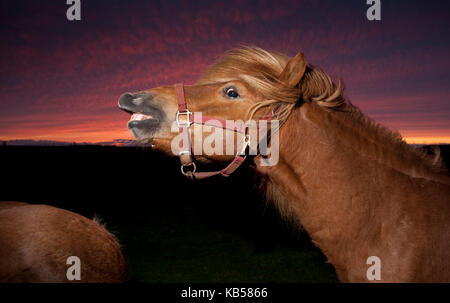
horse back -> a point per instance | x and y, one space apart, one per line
36 242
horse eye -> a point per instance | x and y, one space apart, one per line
231 92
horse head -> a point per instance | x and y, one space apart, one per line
244 84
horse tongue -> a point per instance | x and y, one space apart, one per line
138 116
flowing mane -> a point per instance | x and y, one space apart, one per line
260 69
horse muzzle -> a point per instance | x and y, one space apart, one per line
146 115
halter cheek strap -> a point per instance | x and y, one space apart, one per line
184 118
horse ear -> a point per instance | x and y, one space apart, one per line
294 70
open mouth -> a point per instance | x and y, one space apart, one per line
143 120
146 117
138 119
143 126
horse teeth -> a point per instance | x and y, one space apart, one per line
140 117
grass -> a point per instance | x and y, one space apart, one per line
186 251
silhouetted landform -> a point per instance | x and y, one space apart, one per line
116 142
31 142
26 142
171 229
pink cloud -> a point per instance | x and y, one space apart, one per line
66 78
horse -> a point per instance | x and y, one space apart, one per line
365 197
41 243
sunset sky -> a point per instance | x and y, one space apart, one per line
60 80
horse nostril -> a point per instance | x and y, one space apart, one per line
137 100
134 101
125 100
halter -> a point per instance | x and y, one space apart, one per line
184 118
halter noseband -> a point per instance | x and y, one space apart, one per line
185 123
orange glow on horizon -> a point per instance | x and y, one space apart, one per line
427 140
95 129
123 133
74 136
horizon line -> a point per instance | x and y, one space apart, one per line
132 142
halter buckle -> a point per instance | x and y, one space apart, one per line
187 122
246 140
244 149
190 173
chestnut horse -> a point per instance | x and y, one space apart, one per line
38 243
356 187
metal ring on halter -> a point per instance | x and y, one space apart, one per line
246 145
246 140
244 149
191 172
183 123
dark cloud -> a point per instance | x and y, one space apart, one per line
61 79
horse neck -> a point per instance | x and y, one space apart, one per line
311 171
332 187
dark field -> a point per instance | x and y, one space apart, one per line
172 230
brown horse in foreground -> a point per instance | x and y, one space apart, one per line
36 242
356 187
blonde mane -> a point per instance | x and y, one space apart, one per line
260 70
